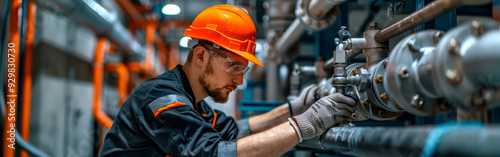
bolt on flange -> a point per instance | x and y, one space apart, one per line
403 72
454 76
437 36
443 106
478 28
379 79
365 102
381 113
417 101
454 47
412 47
384 97
354 116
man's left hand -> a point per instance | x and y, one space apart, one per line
306 98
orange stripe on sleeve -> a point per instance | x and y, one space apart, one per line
175 104
215 119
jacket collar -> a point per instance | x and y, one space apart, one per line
183 80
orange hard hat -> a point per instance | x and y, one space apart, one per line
227 26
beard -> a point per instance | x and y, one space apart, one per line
217 93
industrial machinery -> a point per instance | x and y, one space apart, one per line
425 82
426 73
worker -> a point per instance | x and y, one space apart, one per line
166 115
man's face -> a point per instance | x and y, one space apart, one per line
215 81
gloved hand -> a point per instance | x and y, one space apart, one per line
306 98
323 114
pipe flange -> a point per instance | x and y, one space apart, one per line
451 71
402 74
364 78
378 91
302 12
365 105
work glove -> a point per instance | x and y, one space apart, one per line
323 114
306 98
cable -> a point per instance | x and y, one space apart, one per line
29 147
5 7
4 14
22 37
440 131
19 140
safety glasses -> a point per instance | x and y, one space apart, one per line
227 64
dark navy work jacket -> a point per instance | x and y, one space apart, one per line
161 118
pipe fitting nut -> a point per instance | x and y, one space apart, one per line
379 79
417 101
365 102
454 47
454 76
403 72
384 97
478 28
437 36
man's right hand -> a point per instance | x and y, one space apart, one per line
323 114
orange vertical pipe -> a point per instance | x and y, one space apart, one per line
27 82
150 50
99 115
122 72
11 83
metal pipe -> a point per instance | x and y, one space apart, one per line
4 15
122 72
130 10
273 81
407 141
98 69
328 67
339 81
290 36
481 60
27 79
355 43
319 8
428 12
308 70
92 15
28 147
12 91
150 48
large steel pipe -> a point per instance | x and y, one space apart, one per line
290 36
319 8
425 14
482 59
93 16
309 12
461 140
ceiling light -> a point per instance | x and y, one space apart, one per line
184 41
171 9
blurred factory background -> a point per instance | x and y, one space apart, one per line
417 67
